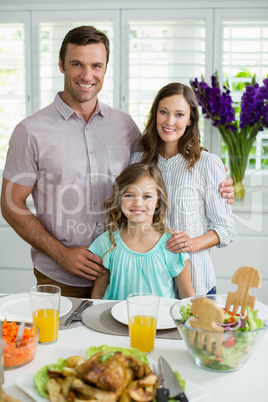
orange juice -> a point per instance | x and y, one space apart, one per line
142 329
48 322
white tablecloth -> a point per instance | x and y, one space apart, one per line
247 384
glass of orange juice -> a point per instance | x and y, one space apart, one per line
45 302
142 311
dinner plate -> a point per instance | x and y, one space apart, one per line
17 307
26 384
164 320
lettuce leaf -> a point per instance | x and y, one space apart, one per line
41 378
252 321
110 349
185 311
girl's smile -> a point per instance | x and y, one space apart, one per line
140 200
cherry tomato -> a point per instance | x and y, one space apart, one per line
230 342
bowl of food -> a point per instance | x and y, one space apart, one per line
231 342
17 353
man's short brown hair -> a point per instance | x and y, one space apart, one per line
84 35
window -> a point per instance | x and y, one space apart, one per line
12 80
163 48
149 48
245 53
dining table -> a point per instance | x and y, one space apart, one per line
250 383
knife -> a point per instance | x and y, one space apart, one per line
78 311
162 392
171 382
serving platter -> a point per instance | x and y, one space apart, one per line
17 307
26 384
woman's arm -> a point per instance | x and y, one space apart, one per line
184 283
100 286
181 242
221 229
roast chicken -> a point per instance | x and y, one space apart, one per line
106 377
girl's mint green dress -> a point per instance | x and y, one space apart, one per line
132 272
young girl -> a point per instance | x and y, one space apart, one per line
134 248
192 176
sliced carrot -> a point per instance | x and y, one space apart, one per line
14 356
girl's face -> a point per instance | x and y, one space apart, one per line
172 119
140 200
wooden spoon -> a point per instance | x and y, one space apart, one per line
246 278
209 314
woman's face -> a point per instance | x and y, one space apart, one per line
172 119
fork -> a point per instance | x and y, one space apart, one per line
246 278
209 314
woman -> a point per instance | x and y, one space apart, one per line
192 176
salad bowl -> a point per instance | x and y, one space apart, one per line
240 335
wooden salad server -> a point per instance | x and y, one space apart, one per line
246 278
209 313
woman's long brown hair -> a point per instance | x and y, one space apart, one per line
189 143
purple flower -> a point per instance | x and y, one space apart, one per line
254 106
217 104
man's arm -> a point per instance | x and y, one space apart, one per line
76 260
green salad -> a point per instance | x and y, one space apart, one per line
238 339
41 378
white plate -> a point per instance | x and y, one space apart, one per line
18 307
164 320
26 384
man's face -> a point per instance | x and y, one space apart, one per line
84 71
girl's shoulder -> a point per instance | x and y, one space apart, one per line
135 157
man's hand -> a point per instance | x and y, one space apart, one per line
226 189
80 261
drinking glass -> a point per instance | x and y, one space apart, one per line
45 302
142 320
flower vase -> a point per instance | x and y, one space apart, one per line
238 166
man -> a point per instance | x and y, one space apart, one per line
67 156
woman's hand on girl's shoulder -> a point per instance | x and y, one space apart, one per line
180 242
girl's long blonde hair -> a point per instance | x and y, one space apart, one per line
115 217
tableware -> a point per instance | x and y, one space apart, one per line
171 382
246 278
142 318
162 392
164 320
17 354
20 334
76 315
26 384
236 347
17 307
45 302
